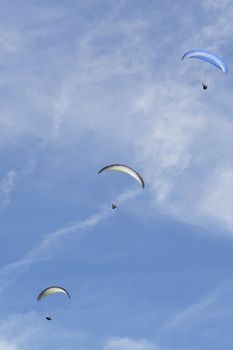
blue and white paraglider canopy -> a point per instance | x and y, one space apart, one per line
209 57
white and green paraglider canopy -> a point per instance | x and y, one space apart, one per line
52 290
125 169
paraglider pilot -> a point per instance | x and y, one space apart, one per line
204 86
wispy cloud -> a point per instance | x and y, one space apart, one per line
125 343
211 309
7 345
169 122
117 73
202 323
42 251
217 202
111 79
6 187
25 331
218 4
187 143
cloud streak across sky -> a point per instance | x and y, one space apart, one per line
44 250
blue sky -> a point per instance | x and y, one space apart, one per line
88 83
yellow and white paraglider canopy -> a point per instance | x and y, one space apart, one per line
52 290
125 169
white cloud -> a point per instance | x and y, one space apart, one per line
217 202
221 5
7 346
177 133
187 154
125 343
187 139
26 331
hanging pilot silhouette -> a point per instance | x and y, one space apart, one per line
204 86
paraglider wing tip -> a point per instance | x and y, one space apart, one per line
39 297
142 181
106 168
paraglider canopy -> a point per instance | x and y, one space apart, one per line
207 56
125 169
52 290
